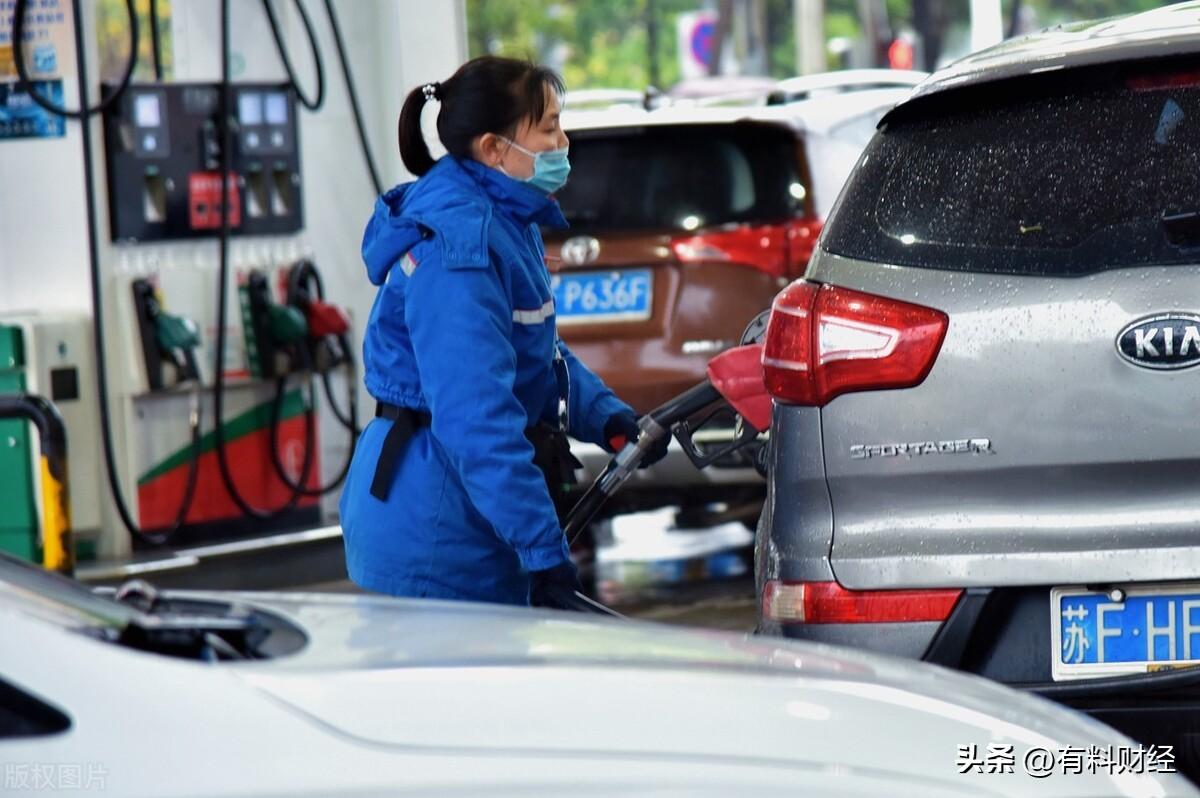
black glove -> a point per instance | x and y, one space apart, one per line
622 428
555 587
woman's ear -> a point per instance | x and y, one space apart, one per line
490 149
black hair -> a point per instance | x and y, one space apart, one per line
487 94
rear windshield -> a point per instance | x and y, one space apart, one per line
681 177
1069 175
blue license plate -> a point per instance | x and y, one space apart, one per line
626 295
1126 631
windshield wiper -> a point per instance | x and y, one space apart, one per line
208 638
235 636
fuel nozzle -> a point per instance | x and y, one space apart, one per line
328 324
169 341
275 332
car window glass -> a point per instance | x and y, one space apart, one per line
680 177
741 182
1073 179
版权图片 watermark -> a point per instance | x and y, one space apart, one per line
55 776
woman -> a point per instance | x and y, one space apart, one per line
461 351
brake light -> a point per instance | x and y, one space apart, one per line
823 341
829 602
780 250
1164 80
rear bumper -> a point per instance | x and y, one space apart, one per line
1004 635
908 640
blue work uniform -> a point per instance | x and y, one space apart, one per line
463 329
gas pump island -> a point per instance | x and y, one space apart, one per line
189 389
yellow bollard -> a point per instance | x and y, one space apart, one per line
58 549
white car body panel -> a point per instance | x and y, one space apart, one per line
397 697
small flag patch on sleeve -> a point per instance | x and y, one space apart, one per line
408 265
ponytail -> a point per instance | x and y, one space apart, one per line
487 94
413 149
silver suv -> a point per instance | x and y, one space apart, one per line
986 446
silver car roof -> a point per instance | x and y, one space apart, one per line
1169 31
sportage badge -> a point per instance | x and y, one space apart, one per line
1164 342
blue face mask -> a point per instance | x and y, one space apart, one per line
550 168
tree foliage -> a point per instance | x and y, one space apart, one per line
605 42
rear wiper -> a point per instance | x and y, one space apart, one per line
1182 229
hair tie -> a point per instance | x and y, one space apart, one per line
430 90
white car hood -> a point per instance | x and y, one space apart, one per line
420 698
432 676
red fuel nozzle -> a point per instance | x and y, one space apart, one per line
737 374
326 319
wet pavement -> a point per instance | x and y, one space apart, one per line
726 604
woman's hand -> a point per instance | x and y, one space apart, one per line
622 428
555 587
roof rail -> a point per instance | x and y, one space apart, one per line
848 80
593 99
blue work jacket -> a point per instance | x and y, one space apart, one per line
463 328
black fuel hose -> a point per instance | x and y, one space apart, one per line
165 536
352 91
98 336
348 420
277 34
351 425
226 109
155 41
655 425
304 283
25 81
310 442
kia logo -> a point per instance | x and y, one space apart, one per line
580 250
1168 341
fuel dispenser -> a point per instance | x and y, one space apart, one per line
186 164
165 147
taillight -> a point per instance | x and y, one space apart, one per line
780 250
829 602
823 341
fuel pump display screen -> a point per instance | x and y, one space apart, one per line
163 147
250 108
277 109
146 111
